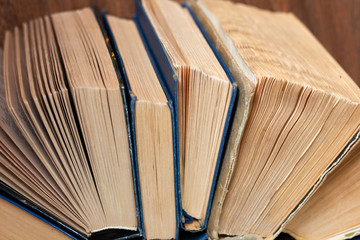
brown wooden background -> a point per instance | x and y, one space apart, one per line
336 23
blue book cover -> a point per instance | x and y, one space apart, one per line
132 96
170 81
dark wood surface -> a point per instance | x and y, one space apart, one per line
336 23
15 12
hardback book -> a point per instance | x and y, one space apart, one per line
67 106
297 115
13 214
153 129
65 149
203 93
119 127
332 212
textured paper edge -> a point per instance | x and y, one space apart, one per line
317 184
347 234
246 81
243 76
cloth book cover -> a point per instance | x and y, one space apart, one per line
170 81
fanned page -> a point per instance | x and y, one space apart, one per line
333 211
304 112
203 98
153 133
99 106
63 136
26 165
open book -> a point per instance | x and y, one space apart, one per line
298 114
64 139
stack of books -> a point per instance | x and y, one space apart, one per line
203 120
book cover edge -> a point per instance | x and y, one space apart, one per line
132 107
